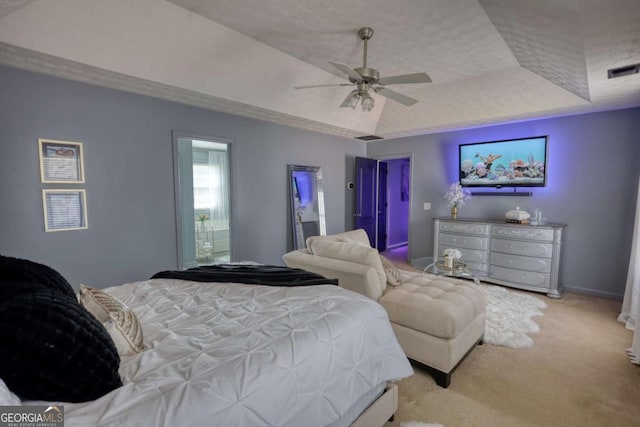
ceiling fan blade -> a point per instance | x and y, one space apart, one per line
405 79
327 85
347 70
396 96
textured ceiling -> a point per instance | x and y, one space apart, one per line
546 38
9 6
491 61
409 35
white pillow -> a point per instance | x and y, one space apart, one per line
100 303
352 252
6 396
125 331
356 236
354 242
394 277
311 239
120 322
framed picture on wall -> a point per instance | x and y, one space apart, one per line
60 161
64 210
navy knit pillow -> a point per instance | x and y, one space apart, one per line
51 347
22 270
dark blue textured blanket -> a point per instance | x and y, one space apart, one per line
270 275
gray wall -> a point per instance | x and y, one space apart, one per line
592 184
129 177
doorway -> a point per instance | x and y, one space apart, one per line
203 202
399 173
383 200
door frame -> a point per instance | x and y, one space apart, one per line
367 222
178 196
396 156
379 192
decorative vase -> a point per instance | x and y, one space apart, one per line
454 212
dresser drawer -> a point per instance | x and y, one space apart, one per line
521 247
529 233
468 255
465 228
541 265
480 269
520 256
459 241
518 276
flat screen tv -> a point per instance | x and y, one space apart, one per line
508 163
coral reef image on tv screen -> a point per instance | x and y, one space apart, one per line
510 163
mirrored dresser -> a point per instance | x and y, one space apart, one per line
516 255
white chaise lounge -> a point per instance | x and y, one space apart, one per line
437 320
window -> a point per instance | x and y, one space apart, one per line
210 187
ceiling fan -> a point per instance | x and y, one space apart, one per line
366 78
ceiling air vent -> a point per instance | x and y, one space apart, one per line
623 71
368 137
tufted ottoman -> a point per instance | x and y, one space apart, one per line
438 320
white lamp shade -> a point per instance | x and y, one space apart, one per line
367 103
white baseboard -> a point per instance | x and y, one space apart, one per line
397 245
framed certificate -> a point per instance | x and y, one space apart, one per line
60 161
64 210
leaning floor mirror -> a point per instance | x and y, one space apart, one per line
307 203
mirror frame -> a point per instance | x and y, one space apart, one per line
299 241
182 181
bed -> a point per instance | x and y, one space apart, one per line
235 354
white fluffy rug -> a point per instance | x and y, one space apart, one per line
509 317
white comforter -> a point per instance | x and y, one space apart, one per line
243 355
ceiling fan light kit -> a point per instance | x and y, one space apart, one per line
359 95
367 103
366 78
351 100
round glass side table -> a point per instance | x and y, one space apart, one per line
458 270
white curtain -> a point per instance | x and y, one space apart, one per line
630 314
219 189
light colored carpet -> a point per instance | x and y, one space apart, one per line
576 374
419 424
